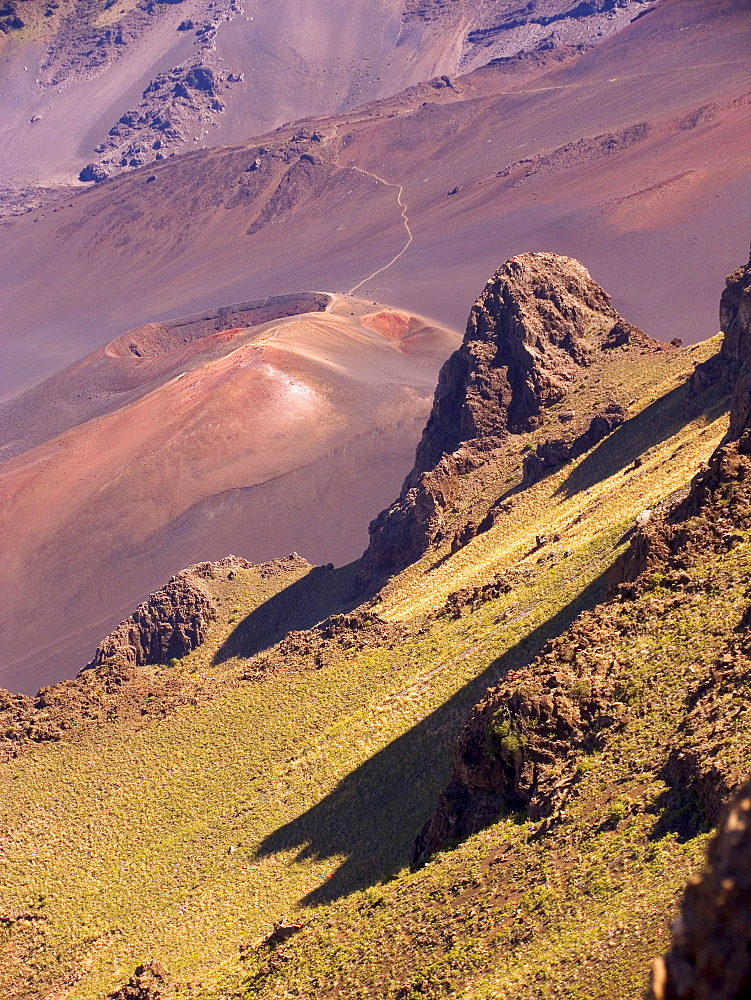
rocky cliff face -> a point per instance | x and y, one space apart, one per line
540 320
508 756
170 624
735 322
514 750
710 958
717 501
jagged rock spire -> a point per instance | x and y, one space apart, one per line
540 319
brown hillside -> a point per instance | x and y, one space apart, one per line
160 450
626 156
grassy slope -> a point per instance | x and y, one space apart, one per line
575 909
184 839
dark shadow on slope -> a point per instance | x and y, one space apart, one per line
374 814
301 605
656 423
678 809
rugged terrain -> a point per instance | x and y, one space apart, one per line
625 155
266 822
485 759
115 84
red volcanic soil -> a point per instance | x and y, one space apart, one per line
392 324
226 443
631 157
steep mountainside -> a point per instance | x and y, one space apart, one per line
116 84
485 759
521 734
240 821
540 322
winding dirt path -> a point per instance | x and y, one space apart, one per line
405 217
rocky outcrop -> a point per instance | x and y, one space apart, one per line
319 646
461 602
93 172
540 320
735 322
173 106
517 33
554 452
710 957
719 499
10 19
725 368
130 675
402 533
520 737
170 624
509 755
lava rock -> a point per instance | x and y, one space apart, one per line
93 172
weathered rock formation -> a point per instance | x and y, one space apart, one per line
540 320
518 740
318 646
710 958
461 601
170 624
718 502
173 106
735 322
560 705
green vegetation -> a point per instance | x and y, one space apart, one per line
296 784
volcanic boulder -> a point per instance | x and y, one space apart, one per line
93 172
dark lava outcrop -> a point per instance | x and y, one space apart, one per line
170 624
467 599
710 957
539 321
504 759
718 501
173 106
735 322
324 643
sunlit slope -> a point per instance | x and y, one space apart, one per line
184 839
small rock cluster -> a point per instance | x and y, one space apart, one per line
173 106
148 982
